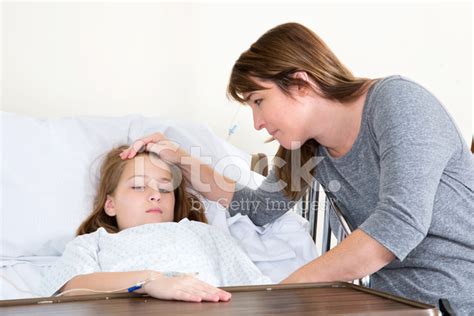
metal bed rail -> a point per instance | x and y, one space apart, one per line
317 205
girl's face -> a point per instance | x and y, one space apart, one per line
144 194
281 115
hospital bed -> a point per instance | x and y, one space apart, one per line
48 177
49 171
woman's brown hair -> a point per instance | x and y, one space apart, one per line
276 56
186 206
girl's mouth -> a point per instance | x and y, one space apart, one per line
155 210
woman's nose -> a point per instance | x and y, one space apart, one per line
258 122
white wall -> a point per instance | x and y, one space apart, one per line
174 60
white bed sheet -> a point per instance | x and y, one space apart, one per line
21 277
277 250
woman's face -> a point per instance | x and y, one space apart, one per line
144 194
281 115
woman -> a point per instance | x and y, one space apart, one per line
387 150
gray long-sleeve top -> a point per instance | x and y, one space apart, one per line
408 182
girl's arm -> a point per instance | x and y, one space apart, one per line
184 288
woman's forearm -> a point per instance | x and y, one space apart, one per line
106 281
210 183
355 257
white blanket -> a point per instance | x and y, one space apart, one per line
277 249
187 246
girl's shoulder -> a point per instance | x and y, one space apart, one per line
185 222
200 227
89 241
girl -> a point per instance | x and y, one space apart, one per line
386 148
147 234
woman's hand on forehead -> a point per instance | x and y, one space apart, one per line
156 143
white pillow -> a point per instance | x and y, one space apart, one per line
49 168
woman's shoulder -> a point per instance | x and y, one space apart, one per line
391 82
397 97
395 87
399 108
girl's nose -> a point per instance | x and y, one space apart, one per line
155 196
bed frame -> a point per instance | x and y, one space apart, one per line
317 205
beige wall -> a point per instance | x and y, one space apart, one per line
173 60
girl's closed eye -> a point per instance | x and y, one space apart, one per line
164 190
138 188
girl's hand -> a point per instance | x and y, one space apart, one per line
159 144
184 288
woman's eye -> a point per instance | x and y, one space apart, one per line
161 190
138 188
257 102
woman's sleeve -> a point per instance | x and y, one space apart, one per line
263 205
79 257
416 139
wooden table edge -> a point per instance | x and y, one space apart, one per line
233 289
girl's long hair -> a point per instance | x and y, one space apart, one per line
276 56
187 205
